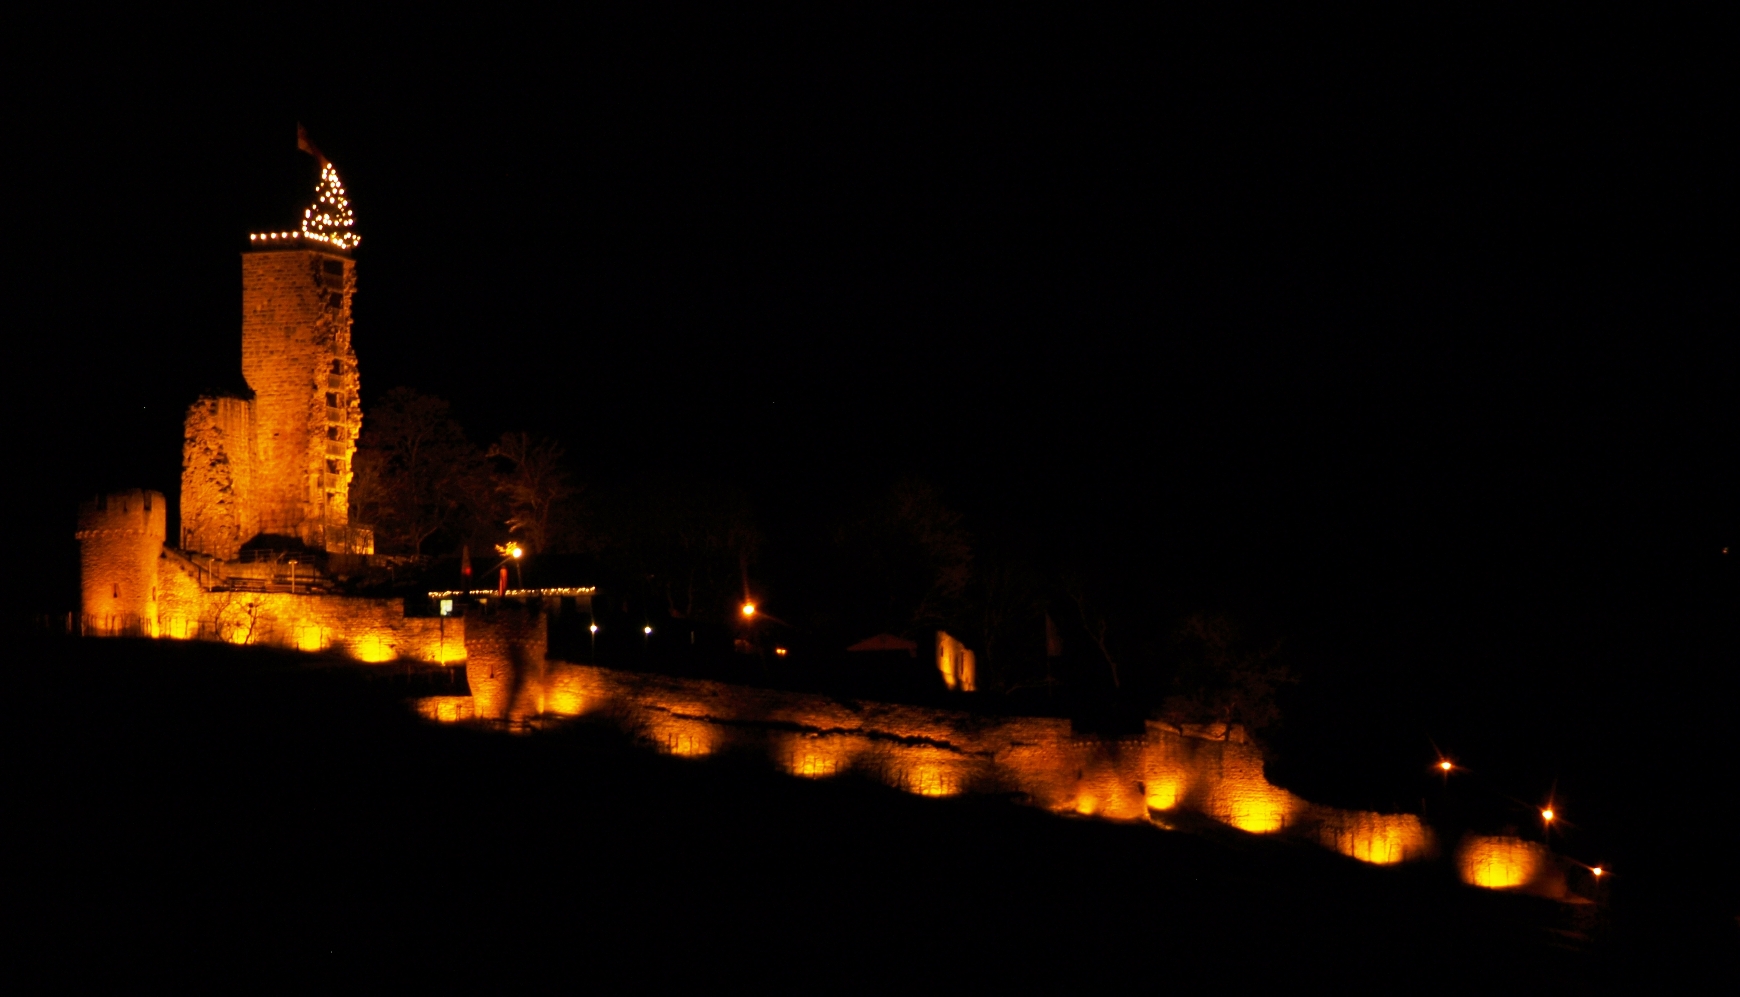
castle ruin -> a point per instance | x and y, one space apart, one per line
265 481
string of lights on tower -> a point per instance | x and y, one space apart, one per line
328 220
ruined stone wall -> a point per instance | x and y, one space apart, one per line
1508 863
297 358
120 535
218 511
369 630
1212 771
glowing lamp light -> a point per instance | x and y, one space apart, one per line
593 628
1446 766
646 630
779 651
517 553
1597 871
1547 815
748 610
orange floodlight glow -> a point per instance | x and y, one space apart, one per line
1597 871
748 610
1446 766
1547 814
646 630
593 628
779 651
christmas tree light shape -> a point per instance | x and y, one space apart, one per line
329 219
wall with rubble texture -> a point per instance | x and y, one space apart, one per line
1212 771
218 513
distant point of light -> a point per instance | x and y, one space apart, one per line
593 628
518 552
647 630
1598 871
748 609
1446 766
779 651
1547 814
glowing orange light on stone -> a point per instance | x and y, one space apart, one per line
1499 863
372 650
1163 793
309 638
1381 839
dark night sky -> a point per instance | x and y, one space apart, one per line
1423 328
1317 272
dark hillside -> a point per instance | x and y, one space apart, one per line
204 808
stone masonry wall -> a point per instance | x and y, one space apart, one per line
297 357
369 630
218 513
120 535
1214 772
505 647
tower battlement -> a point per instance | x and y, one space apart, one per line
136 511
120 539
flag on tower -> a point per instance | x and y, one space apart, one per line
307 146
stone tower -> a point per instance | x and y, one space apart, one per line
120 539
297 358
279 463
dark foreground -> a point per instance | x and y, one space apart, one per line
237 815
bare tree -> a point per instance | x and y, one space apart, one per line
413 464
534 482
1094 621
1225 677
915 556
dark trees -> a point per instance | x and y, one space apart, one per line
532 483
415 471
1223 676
913 558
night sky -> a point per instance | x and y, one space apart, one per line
1411 341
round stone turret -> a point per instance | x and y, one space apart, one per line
120 538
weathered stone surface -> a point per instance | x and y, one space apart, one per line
120 535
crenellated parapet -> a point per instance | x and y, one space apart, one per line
120 537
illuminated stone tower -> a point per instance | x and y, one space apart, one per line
120 539
279 464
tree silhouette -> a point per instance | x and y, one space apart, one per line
532 485
913 556
1223 676
413 466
